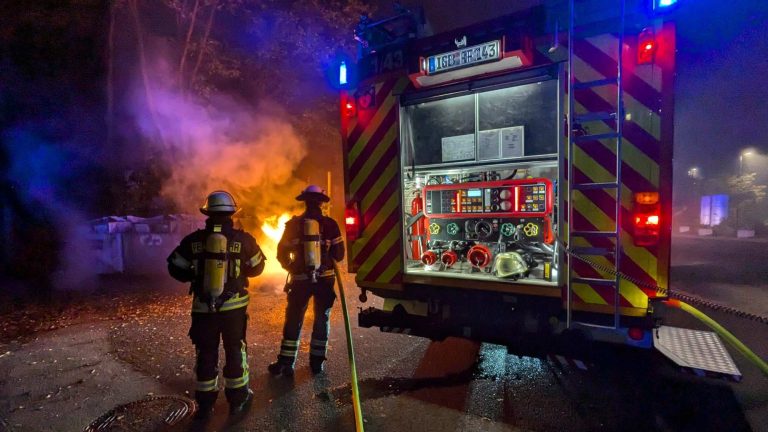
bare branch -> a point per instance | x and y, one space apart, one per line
203 44
143 65
183 59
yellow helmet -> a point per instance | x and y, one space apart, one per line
511 265
219 202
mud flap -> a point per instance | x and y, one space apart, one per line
699 352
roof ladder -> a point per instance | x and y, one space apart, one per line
580 139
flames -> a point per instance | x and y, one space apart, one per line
273 228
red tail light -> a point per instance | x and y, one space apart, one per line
352 223
646 219
635 333
348 107
646 47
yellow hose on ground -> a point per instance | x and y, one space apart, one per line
351 352
722 332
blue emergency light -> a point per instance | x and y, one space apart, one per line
661 4
343 73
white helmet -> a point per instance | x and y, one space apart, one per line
219 202
313 193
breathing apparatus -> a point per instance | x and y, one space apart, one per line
312 251
311 239
215 266
216 261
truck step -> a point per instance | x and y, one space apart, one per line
701 352
596 137
594 281
592 251
601 234
596 116
591 186
596 83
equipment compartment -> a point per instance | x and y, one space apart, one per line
480 173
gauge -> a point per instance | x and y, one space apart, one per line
483 229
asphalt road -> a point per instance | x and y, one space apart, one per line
406 383
730 271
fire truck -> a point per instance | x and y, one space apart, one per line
510 182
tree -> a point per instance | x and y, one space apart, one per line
745 196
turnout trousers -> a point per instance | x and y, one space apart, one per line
206 331
298 298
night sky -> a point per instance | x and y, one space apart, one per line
721 90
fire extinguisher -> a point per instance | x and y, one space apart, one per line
418 229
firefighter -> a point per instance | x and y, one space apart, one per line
218 261
309 246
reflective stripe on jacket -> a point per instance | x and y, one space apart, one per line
235 302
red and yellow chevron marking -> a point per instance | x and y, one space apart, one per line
372 146
594 210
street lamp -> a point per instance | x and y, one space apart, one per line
693 172
742 155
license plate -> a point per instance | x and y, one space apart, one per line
463 57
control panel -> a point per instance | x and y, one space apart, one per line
490 230
503 198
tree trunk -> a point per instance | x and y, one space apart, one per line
202 45
184 51
180 17
143 66
110 120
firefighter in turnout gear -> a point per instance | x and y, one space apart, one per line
218 261
309 246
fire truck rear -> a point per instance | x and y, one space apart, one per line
510 182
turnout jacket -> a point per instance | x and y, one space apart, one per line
290 249
245 259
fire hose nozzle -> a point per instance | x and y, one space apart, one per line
429 257
449 258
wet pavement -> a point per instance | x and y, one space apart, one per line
406 383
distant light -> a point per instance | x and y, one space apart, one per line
665 3
343 73
747 153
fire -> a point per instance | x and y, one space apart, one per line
273 228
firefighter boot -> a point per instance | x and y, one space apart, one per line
205 401
283 366
243 406
316 364
204 412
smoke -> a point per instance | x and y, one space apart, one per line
249 150
222 144
50 250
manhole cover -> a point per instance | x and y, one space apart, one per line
154 413
4 426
